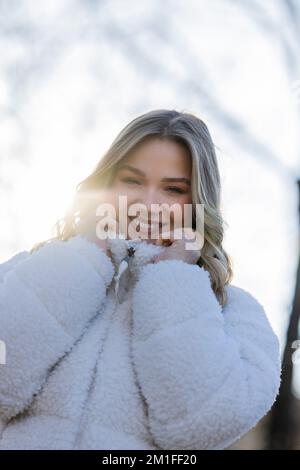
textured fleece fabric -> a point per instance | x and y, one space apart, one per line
162 366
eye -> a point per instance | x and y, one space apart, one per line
130 181
175 189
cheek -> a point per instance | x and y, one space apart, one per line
177 216
113 197
120 189
108 197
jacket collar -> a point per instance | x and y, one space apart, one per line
128 257
137 252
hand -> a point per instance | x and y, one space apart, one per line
176 248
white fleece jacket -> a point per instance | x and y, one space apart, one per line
162 366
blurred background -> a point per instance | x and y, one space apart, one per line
74 72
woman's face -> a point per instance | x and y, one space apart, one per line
156 172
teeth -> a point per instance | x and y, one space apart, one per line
147 226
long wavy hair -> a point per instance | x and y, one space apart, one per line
191 131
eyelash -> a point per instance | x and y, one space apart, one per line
176 190
172 189
130 180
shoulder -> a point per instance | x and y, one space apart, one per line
244 310
242 306
237 296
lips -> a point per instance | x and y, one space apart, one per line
147 225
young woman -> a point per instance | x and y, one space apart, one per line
134 342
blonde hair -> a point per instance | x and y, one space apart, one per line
191 131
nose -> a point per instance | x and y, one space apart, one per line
149 197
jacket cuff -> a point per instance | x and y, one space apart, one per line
69 278
170 292
95 255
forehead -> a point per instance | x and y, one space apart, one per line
160 155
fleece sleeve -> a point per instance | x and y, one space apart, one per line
208 374
47 299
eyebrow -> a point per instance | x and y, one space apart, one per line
165 180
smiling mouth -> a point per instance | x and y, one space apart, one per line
145 225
